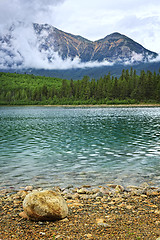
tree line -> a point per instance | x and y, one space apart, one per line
128 88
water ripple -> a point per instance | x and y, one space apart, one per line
79 145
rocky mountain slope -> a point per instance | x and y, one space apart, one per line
114 47
44 46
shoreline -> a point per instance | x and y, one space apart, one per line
89 105
143 186
111 183
110 212
106 105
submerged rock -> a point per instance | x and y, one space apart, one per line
45 205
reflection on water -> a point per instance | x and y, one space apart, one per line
47 146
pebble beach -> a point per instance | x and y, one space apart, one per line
102 212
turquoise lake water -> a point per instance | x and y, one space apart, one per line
48 146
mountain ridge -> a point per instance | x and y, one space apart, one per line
44 46
113 47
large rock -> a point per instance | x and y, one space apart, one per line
45 205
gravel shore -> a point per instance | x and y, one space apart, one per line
110 212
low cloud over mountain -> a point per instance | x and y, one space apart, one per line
46 47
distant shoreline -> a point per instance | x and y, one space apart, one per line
105 105
88 105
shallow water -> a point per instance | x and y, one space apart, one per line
47 146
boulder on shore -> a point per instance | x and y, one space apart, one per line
45 205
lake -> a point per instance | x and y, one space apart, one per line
56 146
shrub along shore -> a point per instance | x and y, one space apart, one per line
104 212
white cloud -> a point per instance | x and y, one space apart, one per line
136 57
28 11
92 19
24 48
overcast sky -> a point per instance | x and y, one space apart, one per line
138 19
92 19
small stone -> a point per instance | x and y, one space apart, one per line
16 197
111 203
129 207
23 215
117 199
103 199
9 199
102 222
136 192
16 202
89 236
152 193
58 236
65 191
75 190
76 195
112 185
144 196
119 189
82 191
144 185
86 186
157 212
28 188
69 186
99 194
68 196
57 189
42 233
84 196
104 190
158 233
40 223
22 194
153 206
93 196
95 190
122 205
78 204
65 220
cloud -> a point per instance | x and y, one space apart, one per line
135 57
28 11
139 20
23 48
144 30
96 19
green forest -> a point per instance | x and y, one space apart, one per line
129 88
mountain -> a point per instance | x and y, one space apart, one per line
114 47
41 46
